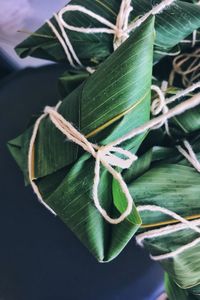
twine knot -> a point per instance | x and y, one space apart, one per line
109 156
121 33
159 105
120 30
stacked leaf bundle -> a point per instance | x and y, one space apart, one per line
104 106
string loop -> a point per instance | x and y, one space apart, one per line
160 105
107 155
120 30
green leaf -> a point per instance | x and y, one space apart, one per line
69 81
14 147
174 292
175 187
72 201
195 291
189 121
120 203
160 183
139 167
184 269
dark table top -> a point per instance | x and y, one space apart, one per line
40 258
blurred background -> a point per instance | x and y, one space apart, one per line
22 15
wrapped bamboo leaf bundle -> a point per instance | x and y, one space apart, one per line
108 104
172 25
119 155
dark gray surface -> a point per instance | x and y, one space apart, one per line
40 259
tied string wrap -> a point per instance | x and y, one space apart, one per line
121 30
105 155
160 104
118 30
102 155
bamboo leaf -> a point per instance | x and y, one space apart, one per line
184 268
150 187
120 203
70 81
71 200
161 186
189 121
174 292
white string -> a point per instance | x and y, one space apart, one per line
105 155
155 208
30 160
189 155
167 53
163 231
194 38
194 35
178 251
157 9
168 230
187 66
122 24
65 43
177 110
160 105
120 30
117 30
102 155
183 93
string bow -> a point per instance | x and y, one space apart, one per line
109 156
121 29
105 155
